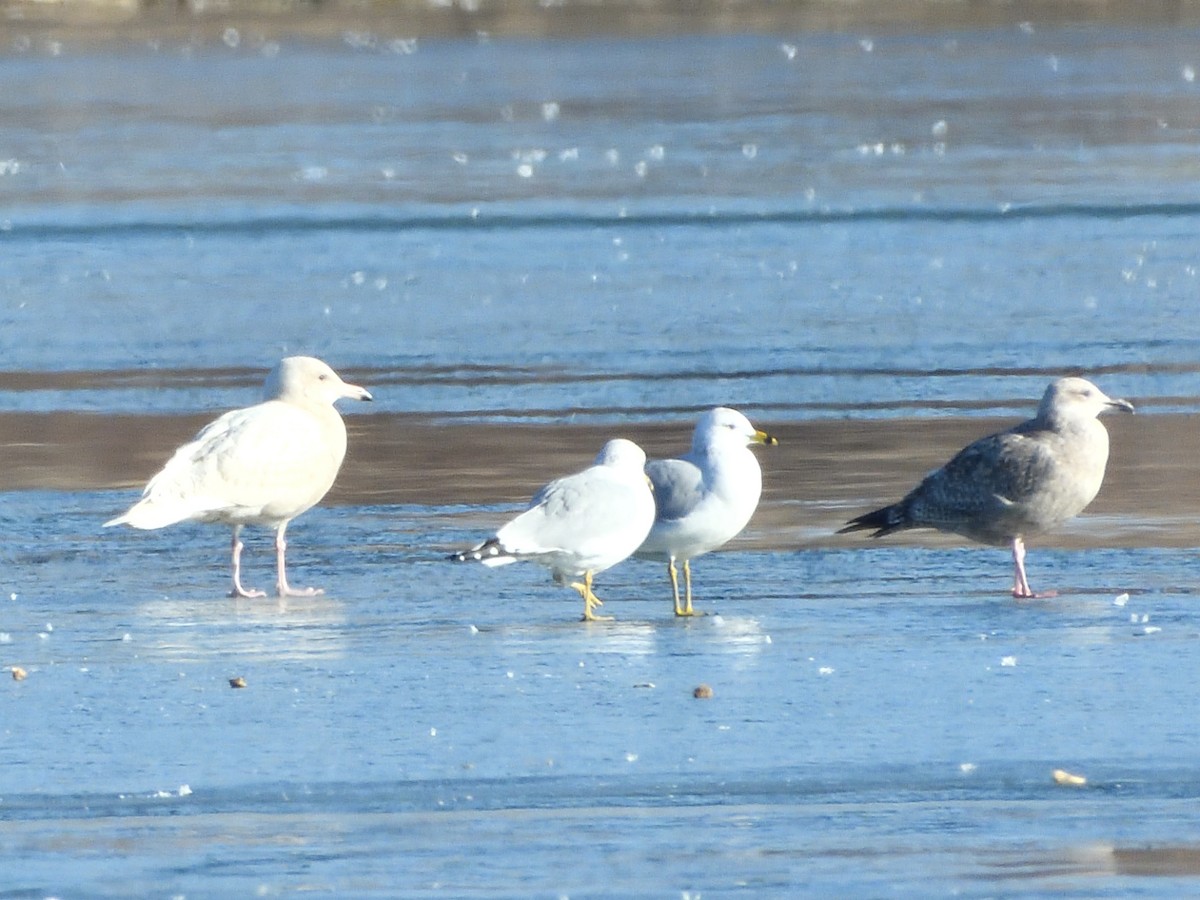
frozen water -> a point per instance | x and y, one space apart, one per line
177 216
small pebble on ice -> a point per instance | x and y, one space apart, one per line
18 674
702 692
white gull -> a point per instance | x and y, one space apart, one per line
705 498
262 465
579 525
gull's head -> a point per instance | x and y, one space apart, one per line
1077 399
723 426
622 454
305 379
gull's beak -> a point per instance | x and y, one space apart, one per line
1119 405
761 437
354 392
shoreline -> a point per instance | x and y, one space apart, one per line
822 473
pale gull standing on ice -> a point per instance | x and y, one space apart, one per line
579 525
262 465
1008 486
705 498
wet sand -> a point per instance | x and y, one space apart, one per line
821 473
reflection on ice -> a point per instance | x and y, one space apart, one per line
725 634
738 635
290 628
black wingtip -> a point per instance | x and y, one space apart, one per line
490 547
884 521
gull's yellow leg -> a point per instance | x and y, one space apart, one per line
687 580
674 576
590 600
686 608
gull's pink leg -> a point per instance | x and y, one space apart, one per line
281 585
1021 587
238 590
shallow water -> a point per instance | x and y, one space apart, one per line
879 245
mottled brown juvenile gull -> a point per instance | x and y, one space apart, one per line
705 498
579 525
262 465
1008 486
